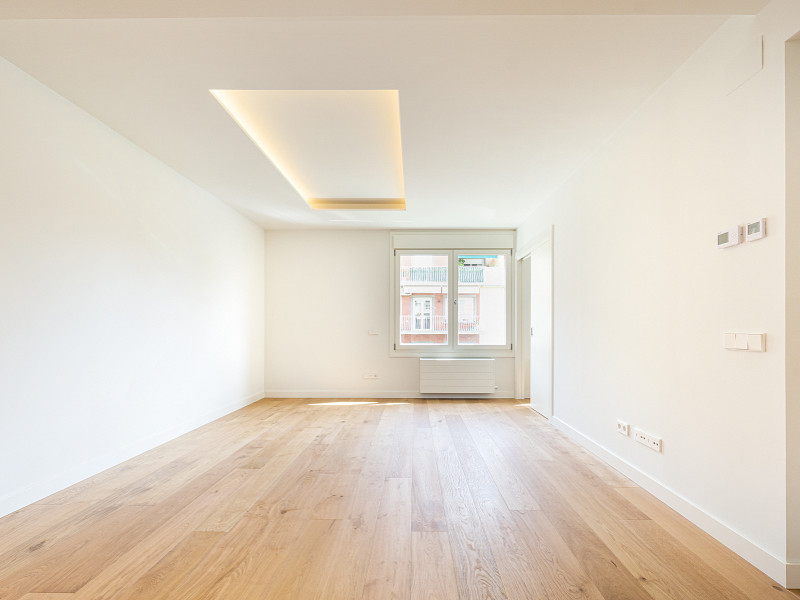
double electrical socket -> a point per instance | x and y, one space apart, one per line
651 441
648 440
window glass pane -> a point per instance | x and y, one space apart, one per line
482 299
423 299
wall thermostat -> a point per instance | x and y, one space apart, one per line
729 237
755 230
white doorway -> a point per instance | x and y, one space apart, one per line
524 331
541 326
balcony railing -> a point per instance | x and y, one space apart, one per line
472 274
436 324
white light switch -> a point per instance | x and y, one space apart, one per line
756 342
741 341
373 331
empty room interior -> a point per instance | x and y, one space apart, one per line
366 299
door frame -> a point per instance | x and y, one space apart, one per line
521 362
522 357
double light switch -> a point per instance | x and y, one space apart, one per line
754 342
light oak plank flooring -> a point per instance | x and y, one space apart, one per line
312 499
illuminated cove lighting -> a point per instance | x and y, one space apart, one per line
340 149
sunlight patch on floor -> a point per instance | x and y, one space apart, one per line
356 403
343 403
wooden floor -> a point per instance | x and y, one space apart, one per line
303 499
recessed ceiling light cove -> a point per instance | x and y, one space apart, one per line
340 149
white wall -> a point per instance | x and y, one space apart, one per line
326 290
793 306
131 302
642 297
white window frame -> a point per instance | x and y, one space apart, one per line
397 301
436 243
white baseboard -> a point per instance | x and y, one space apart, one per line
788 575
376 394
63 479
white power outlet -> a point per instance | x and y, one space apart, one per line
651 441
370 375
622 427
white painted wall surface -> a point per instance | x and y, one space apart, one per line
793 308
326 290
131 302
642 296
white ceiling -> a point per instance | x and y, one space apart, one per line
496 111
331 145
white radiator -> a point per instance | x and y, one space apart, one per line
456 376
